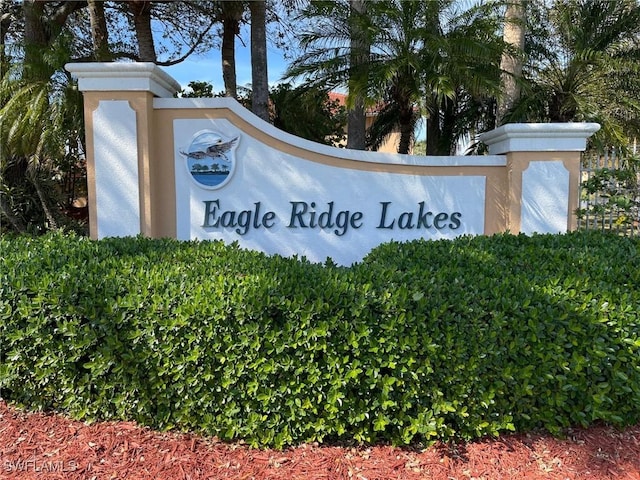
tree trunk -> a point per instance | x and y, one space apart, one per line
511 64
448 143
259 77
433 136
36 39
141 11
359 58
41 28
231 15
405 122
406 134
99 34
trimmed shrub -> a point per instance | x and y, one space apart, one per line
421 341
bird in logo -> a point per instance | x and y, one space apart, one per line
219 149
194 155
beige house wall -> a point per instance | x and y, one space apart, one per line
391 144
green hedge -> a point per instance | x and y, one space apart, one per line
420 341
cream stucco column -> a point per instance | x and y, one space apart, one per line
543 170
118 109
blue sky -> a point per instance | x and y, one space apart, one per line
208 68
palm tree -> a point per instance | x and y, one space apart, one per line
334 57
99 32
394 71
425 57
41 129
259 77
432 57
40 135
360 49
461 73
383 64
590 70
512 59
231 16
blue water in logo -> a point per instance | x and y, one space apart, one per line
209 179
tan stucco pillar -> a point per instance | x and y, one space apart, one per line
543 173
118 110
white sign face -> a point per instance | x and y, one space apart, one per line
116 169
545 198
232 187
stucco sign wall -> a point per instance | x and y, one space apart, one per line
209 169
273 201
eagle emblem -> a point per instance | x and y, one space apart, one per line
210 158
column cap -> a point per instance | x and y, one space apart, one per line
539 137
123 76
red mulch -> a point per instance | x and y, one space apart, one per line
46 446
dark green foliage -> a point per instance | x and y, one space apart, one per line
308 112
198 89
581 67
420 341
41 133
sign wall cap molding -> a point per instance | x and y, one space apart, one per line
539 137
123 76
